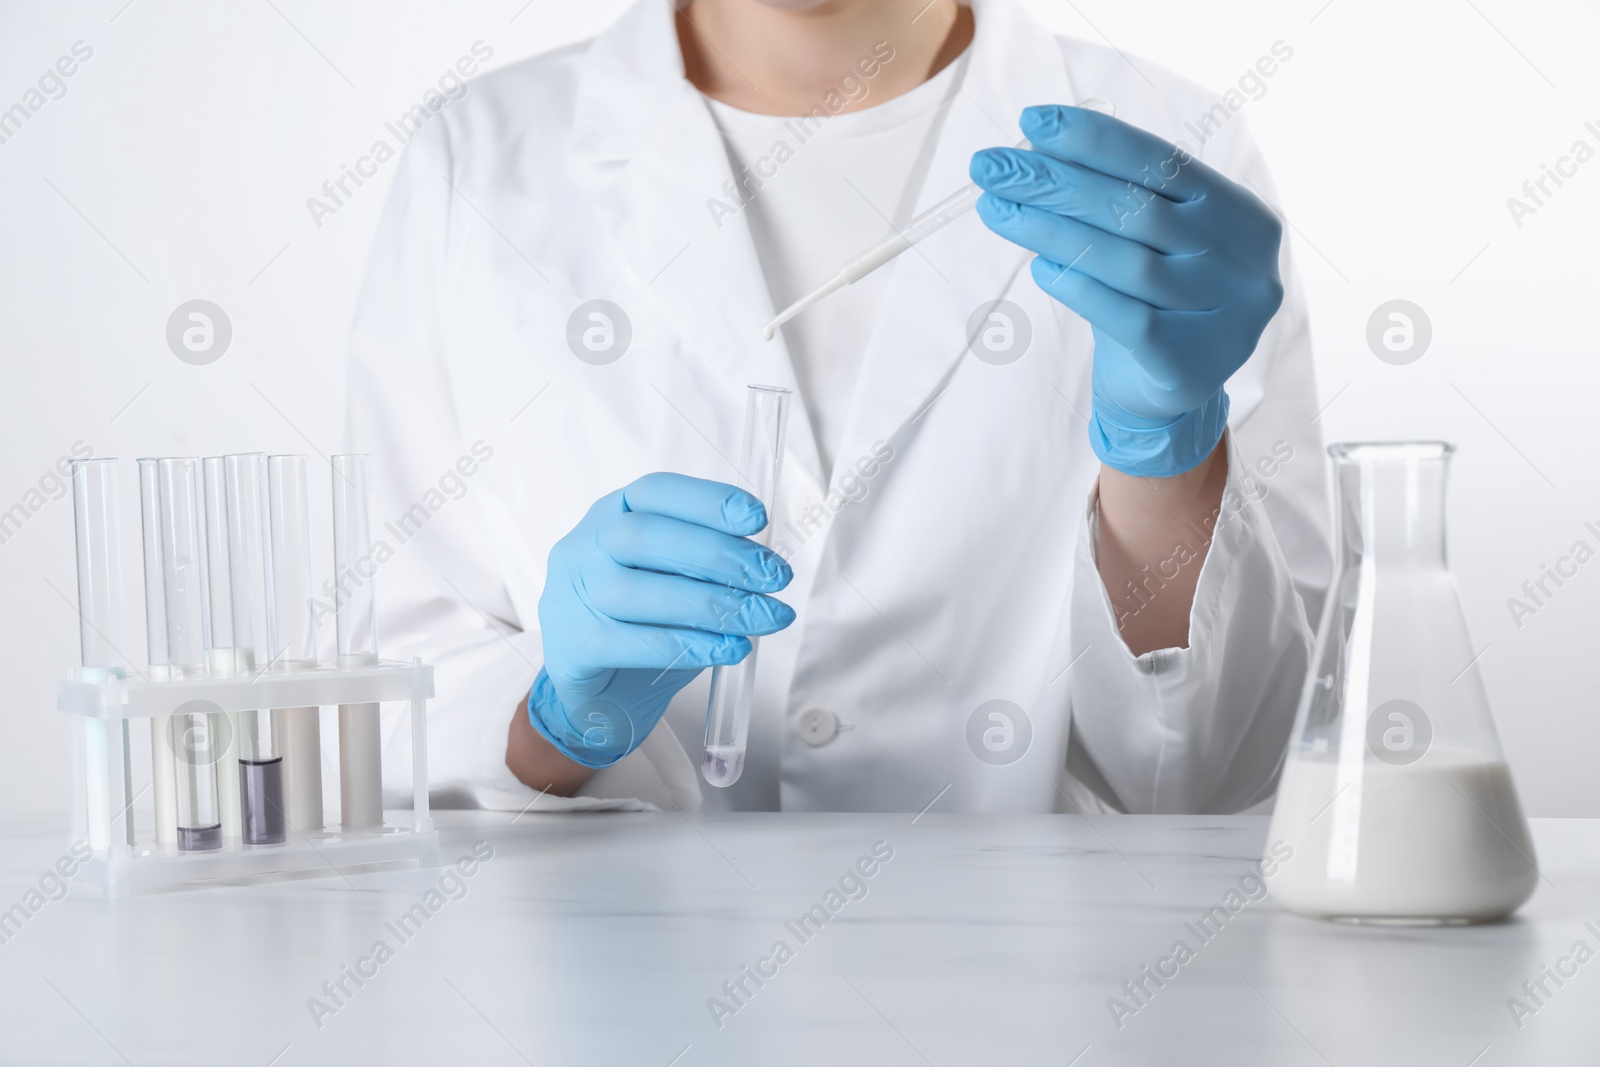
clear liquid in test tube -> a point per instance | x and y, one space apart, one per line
360 739
261 799
766 427
183 565
291 623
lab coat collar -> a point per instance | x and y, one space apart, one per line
647 143
922 335
652 152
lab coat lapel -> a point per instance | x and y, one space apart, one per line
649 148
922 334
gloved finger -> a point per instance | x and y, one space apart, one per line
1122 318
651 599
715 505
1072 191
1118 149
1124 151
657 543
1143 330
666 648
1131 268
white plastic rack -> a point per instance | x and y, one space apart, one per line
105 701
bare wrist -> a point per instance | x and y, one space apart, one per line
536 762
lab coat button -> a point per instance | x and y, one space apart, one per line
817 726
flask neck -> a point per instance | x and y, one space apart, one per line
1391 508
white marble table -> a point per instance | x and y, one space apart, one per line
599 939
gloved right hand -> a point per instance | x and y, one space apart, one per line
658 582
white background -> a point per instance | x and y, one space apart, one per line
178 164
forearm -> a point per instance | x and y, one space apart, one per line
1152 537
536 762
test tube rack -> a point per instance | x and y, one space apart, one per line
105 699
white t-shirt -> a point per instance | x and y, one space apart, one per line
844 182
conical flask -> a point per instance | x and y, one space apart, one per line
1395 797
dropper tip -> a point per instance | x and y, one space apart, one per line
833 285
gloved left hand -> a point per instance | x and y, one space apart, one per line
1174 266
659 581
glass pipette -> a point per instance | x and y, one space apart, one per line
766 425
929 222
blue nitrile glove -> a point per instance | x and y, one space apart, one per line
658 582
1173 265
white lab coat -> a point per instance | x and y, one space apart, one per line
962 573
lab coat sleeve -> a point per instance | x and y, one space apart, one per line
1204 728
439 579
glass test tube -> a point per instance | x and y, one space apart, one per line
360 742
766 425
163 783
222 655
291 625
107 773
183 564
261 800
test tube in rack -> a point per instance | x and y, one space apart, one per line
222 656
163 784
108 774
291 623
183 566
360 738
261 799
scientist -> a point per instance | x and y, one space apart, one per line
1052 514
